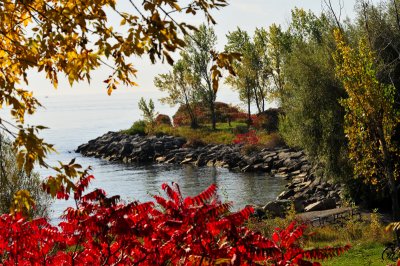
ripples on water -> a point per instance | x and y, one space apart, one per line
74 120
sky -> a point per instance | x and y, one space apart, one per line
246 14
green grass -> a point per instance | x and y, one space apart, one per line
226 127
367 239
360 254
224 134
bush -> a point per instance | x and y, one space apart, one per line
268 120
13 180
194 143
162 119
224 113
240 129
274 140
250 149
173 231
249 138
138 127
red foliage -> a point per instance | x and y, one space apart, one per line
246 138
162 119
223 113
257 121
177 231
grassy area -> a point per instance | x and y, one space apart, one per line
204 133
367 239
224 134
360 254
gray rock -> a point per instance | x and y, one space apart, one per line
277 208
324 204
286 194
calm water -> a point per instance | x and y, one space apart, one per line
75 119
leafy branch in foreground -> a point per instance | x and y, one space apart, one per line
75 38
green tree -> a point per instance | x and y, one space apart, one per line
149 113
277 47
178 83
371 119
252 77
13 180
244 81
310 99
199 58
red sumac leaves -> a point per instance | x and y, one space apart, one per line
102 230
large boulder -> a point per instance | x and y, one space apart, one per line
324 204
278 208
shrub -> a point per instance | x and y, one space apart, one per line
138 127
274 140
162 119
13 180
240 129
194 143
176 231
224 113
269 119
250 149
246 138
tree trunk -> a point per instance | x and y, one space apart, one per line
395 201
213 118
193 119
257 100
394 195
248 107
389 173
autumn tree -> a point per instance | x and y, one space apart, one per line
179 85
199 57
74 38
372 118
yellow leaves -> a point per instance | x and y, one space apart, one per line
22 202
393 227
223 60
176 6
30 148
111 84
369 111
52 37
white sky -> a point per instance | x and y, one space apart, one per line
247 14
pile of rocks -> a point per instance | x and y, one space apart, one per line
304 190
116 146
306 193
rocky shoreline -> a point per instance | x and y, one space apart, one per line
305 190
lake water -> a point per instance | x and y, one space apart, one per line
75 119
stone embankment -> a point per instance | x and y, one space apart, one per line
306 191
